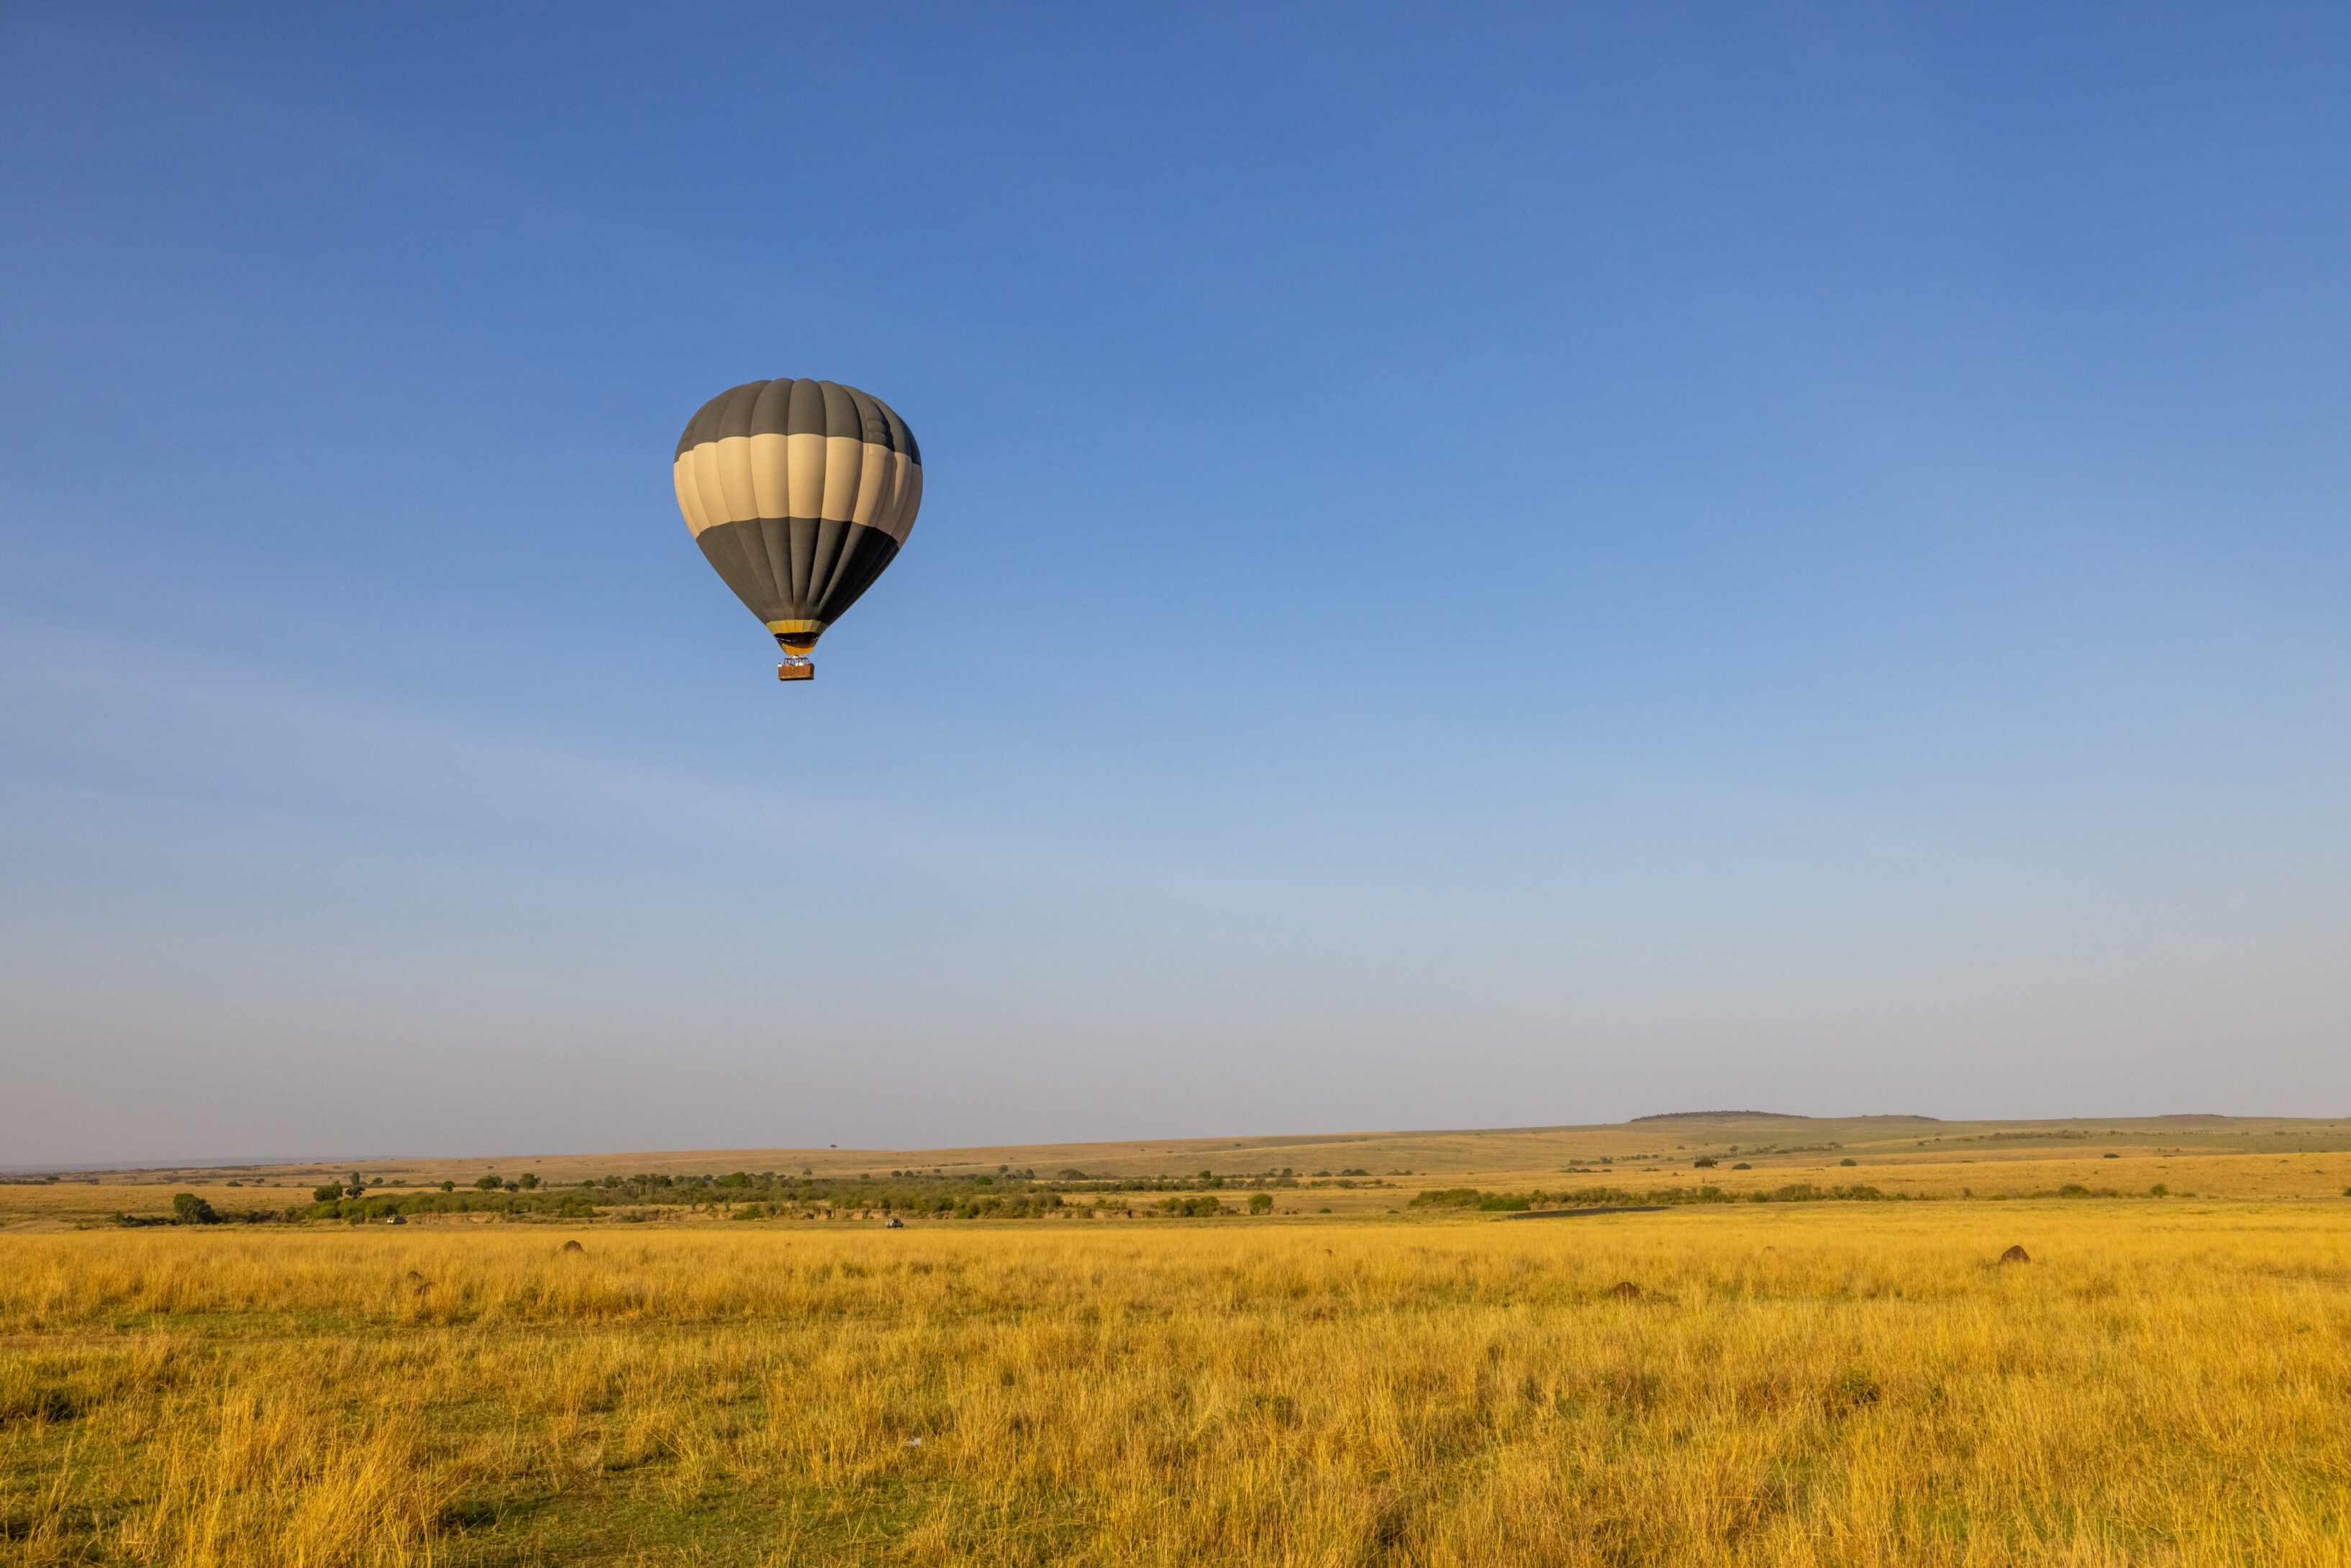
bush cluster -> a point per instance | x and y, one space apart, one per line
1008 1194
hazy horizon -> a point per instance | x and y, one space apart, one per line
1478 569
204 1161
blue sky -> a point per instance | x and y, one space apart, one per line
1478 567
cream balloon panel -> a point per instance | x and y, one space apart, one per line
838 478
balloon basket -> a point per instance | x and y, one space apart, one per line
796 670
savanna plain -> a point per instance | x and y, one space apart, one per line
2166 1380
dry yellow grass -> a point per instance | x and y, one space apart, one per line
1808 1385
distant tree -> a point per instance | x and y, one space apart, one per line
327 1194
448 1186
529 1180
509 1184
193 1210
1705 1162
1262 1203
488 1183
1848 1160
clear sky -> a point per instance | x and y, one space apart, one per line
1479 566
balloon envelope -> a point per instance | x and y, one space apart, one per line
799 493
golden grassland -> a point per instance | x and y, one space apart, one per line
2166 1383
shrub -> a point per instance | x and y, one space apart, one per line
529 1180
1261 1203
1499 1201
750 1211
328 1192
448 1186
488 1183
576 1209
1742 1165
1848 1160
1705 1162
1855 1388
2113 1156
193 1210
1448 1197
2160 1190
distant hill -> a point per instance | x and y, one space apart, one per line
1792 1116
1721 1116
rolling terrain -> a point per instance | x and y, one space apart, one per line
2207 1156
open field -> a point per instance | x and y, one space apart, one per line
69 1205
2211 1156
1795 1383
1769 1142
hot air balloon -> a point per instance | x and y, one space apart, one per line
799 493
